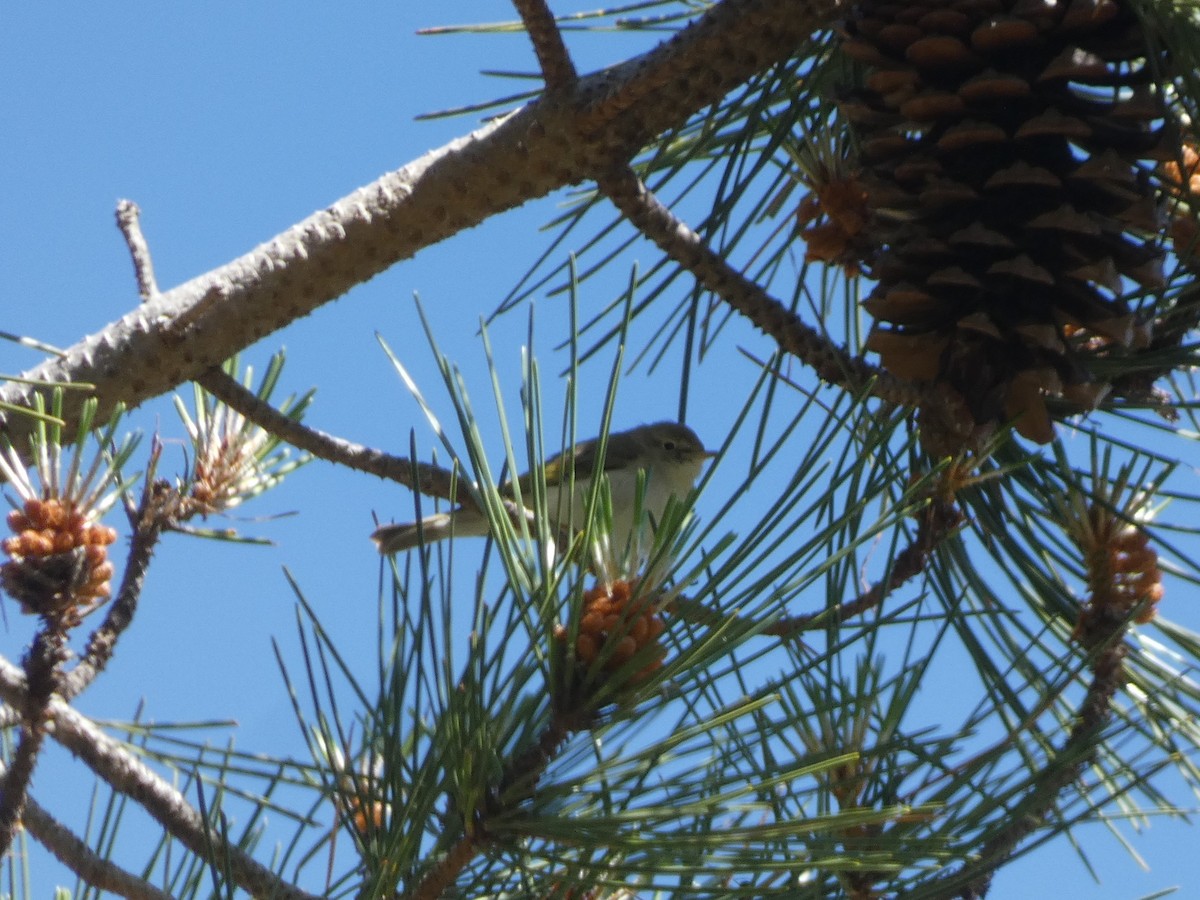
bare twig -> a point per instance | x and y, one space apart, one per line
683 245
557 69
421 477
128 220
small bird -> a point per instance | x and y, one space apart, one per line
669 453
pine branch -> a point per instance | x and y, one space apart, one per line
422 477
1102 629
831 363
91 868
128 775
439 880
516 784
560 139
974 880
938 522
557 68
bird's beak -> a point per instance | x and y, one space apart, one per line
711 454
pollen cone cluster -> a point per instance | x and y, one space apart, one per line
1007 148
617 621
1182 177
58 561
1123 572
833 221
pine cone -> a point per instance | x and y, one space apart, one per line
1001 142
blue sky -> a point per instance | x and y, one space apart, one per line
227 124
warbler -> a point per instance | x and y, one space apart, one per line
669 453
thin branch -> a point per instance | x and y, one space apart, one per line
1105 636
182 333
523 771
515 785
557 69
152 517
683 245
422 477
1061 771
128 220
128 775
438 880
1121 581
938 521
77 856
42 664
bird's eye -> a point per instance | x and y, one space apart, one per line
669 445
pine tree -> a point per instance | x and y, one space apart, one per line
962 232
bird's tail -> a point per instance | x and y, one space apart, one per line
396 538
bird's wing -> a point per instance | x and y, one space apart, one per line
584 456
